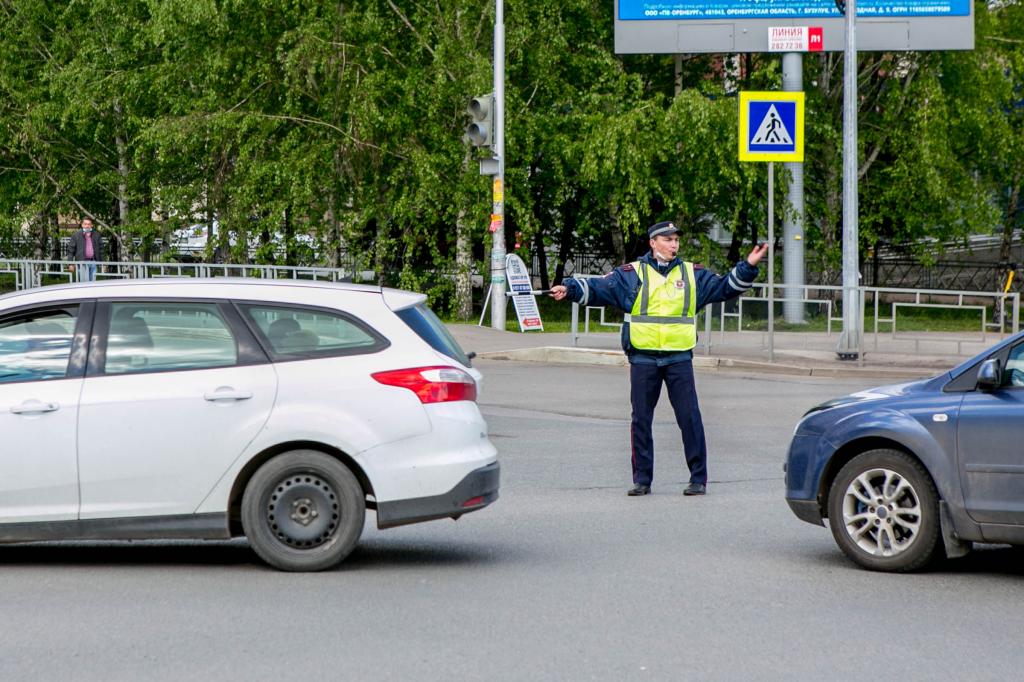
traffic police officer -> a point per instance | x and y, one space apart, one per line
660 295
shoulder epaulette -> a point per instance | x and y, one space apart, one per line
628 267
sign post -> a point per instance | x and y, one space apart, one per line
853 307
771 129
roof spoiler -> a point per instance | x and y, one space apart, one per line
397 299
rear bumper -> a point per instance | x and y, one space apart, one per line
479 488
806 510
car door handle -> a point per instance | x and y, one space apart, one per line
34 407
225 393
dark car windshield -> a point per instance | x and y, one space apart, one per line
426 324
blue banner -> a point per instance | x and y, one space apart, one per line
786 9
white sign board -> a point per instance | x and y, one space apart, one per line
795 39
520 285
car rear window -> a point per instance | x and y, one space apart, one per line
426 324
295 332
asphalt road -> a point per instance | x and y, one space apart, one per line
564 578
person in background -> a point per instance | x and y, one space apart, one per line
87 247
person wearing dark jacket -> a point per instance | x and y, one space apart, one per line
661 295
87 246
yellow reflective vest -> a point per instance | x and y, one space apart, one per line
664 315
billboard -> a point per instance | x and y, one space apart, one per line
691 26
646 10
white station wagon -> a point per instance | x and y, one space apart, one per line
189 408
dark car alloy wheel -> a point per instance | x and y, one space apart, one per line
303 511
883 511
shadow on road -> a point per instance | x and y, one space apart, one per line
411 554
373 554
993 560
141 553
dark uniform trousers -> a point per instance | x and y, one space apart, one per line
645 389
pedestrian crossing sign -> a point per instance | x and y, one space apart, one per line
772 126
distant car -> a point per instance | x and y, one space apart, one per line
217 408
190 242
905 472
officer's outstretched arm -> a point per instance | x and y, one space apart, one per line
712 288
616 289
558 292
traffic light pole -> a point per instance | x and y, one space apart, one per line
497 291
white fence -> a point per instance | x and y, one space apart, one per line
27 274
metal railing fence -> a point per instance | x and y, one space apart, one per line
28 274
998 315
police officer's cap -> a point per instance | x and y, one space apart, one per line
665 228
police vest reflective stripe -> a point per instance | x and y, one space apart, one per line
664 315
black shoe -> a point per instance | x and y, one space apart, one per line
639 490
696 489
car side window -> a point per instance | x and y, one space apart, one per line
37 346
163 337
294 332
1013 374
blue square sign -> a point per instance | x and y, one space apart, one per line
771 126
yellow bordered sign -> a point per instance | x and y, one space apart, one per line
772 126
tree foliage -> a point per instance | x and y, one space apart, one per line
343 121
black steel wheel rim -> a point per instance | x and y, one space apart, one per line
302 510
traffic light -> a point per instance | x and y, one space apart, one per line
480 131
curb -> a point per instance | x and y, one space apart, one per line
559 354
590 356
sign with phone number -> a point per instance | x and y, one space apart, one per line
630 10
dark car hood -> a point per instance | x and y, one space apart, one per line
879 393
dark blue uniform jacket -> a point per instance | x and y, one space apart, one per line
619 289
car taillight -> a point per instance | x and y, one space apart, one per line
431 384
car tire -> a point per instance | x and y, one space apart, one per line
884 512
303 511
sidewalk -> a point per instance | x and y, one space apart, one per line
807 354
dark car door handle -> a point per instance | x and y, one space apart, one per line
34 407
226 394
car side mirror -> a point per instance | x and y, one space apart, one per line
990 375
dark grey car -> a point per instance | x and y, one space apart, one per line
905 472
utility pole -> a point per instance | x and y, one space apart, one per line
849 341
498 302
793 223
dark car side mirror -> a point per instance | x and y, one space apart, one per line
990 375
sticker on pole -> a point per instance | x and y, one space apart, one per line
796 39
772 126
520 285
